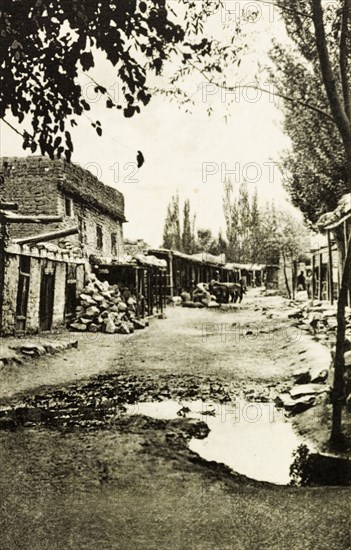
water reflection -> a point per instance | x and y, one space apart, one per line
253 439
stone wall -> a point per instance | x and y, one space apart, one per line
10 293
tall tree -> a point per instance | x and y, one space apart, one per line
168 229
231 217
314 169
171 232
256 236
269 252
187 237
244 210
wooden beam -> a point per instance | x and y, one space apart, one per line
48 236
8 217
8 205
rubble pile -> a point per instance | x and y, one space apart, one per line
320 320
105 308
303 396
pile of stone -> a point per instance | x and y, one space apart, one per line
104 308
310 384
319 319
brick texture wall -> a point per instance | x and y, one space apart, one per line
32 183
40 186
92 217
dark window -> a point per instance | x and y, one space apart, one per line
69 207
47 292
114 244
71 291
99 237
22 293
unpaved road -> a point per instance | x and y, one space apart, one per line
78 473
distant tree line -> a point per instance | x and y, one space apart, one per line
254 234
257 234
184 237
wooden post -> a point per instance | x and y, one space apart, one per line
330 270
143 292
313 277
320 276
171 274
151 290
294 278
158 290
3 238
162 290
137 292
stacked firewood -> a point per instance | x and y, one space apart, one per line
104 308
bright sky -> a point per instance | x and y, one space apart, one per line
191 153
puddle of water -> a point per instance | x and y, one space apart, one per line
254 439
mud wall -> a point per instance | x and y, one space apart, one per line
10 293
42 186
11 284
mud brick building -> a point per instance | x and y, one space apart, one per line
41 274
55 187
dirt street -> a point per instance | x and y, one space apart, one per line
78 471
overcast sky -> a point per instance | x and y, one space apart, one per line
188 153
